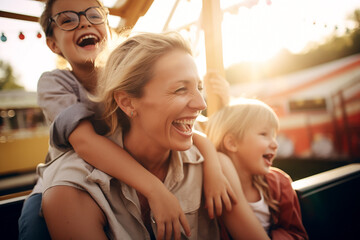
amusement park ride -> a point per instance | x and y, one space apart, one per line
325 126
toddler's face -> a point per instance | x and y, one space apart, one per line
257 149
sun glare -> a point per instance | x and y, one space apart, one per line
258 33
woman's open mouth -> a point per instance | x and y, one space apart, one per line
184 126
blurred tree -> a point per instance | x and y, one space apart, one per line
7 79
356 17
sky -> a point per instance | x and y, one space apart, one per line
249 34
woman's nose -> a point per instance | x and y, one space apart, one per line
197 102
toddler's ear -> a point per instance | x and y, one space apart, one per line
230 143
50 41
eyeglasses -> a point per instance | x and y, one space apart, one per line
69 20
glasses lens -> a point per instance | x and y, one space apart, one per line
96 15
67 20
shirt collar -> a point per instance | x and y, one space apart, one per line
178 159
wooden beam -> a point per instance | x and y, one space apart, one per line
18 16
29 18
211 23
131 11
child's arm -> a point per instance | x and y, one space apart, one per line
105 155
240 222
216 187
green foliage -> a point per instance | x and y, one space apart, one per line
285 62
7 79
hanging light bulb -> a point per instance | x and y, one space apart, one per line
3 37
21 36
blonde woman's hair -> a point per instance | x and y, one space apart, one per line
236 119
130 67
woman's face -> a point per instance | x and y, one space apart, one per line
171 102
83 44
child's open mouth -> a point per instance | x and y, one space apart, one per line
268 157
87 40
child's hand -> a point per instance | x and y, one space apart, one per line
168 215
219 86
218 191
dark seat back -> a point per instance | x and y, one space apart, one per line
10 210
330 203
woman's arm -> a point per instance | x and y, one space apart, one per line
241 222
216 187
107 156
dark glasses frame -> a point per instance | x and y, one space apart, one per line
102 10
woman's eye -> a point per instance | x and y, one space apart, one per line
179 90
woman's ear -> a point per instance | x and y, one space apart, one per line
50 41
230 143
124 101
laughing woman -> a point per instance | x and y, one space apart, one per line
152 96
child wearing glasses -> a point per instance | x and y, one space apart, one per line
245 131
78 31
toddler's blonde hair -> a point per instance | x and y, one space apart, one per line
236 119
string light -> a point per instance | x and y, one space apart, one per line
3 37
21 36
38 35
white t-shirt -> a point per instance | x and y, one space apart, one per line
262 212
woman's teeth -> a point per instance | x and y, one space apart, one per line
184 125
